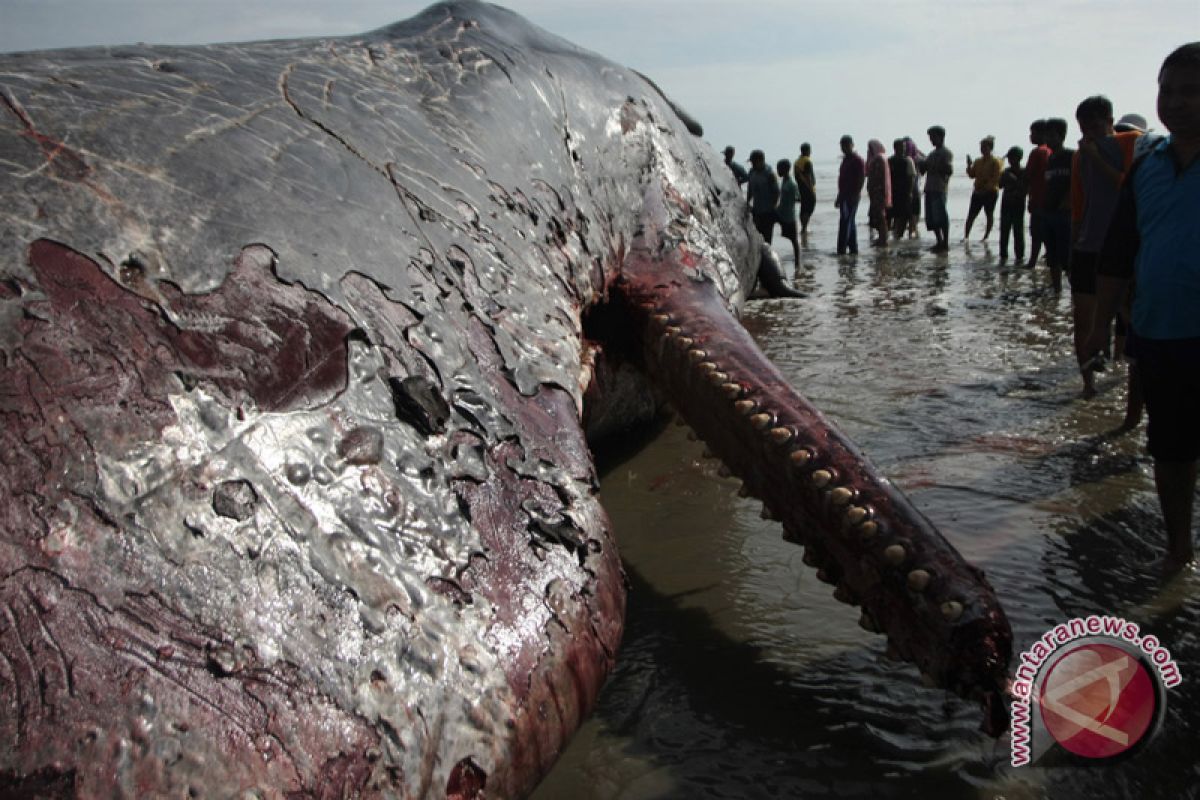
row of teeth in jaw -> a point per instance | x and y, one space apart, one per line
855 517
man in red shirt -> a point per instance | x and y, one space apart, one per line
1035 171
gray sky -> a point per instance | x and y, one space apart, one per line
771 77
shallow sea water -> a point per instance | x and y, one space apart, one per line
741 677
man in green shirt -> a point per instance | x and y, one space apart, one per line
789 194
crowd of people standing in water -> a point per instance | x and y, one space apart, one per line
1119 215
894 188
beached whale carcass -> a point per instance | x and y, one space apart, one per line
300 340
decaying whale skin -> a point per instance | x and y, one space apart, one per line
296 492
299 341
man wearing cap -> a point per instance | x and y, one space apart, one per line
1135 125
1131 122
739 172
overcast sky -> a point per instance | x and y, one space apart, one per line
769 74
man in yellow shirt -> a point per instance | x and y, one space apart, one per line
986 171
806 181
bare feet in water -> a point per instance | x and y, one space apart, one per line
1129 423
1178 567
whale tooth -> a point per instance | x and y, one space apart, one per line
952 610
801 457
718 378
821 478
781 435
841 496
731 390
744 407
724 471
855 514
684 342
662 319
867 622
918 580
697 355
895 554
674 330
706 366
760 421
869 529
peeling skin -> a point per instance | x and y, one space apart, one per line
291 403
299 341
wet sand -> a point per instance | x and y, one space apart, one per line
741 677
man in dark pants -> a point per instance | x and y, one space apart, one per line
1035 172
806 181
1096 176
1056 211
1154 238
851 177
762 195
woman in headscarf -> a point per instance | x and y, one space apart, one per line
914 152
879 189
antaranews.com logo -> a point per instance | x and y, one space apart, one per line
1099 687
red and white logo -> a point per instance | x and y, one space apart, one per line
1097 700
1094 686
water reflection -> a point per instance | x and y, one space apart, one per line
741 677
